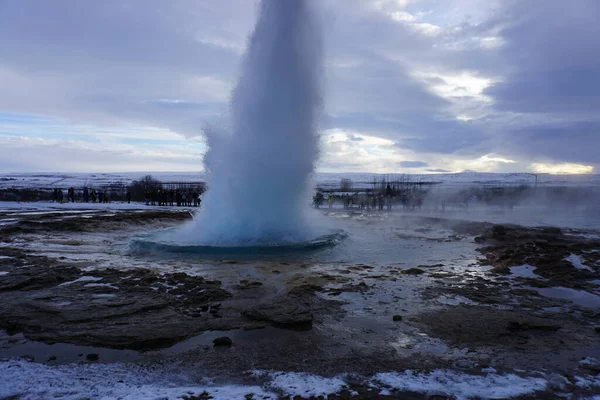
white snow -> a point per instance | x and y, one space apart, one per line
577 262
461 385
49 207
108 381
524 271
587 382
78 180
132 382
306 385
84 278
5 257
2 273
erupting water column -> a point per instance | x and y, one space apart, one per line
260 169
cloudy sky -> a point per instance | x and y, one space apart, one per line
411 85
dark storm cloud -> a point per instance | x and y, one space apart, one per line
574 142
551 57
551 67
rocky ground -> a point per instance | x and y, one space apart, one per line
523 299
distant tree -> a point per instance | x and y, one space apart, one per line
346 185
146 184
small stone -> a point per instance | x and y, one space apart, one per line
397 318
52 358
597 329
222 341
92 357
413 271
438 396
28 357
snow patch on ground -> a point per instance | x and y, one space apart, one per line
5 257
29 380
306 385
2 273
108 381
49 207
461 385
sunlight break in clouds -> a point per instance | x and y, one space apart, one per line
565 168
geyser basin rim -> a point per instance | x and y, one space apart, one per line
152 241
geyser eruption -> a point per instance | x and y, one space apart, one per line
259 171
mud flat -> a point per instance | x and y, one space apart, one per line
457 303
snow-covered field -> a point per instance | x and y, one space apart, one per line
132 382
51 180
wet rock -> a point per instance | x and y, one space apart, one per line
147 311
464 363
52 358
397 318
28 357
498 232
597 329
285 313
438 396
431 265
413 271
245 284
92 357
515 326
222 341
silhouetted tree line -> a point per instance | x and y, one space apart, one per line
144 189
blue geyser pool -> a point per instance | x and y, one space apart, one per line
162 241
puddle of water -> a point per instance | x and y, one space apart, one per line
103 295
108 285
578 297
524 271
456 300
17 346
576 261
84 278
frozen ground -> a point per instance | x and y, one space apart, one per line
405 306
64 180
